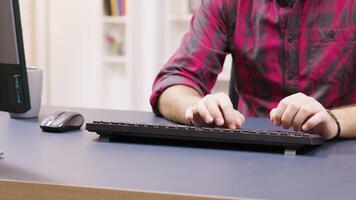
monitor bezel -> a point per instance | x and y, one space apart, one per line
20 69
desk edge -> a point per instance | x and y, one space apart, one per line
14 190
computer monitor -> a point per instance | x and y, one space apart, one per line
14 90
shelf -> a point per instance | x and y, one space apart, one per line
114 59
115 19
180 18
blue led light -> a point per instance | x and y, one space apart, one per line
17 81
18 97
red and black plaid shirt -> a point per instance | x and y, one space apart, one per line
308 47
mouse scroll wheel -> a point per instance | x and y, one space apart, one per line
59 122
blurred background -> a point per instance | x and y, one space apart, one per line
105 53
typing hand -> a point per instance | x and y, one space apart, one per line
214 109
304 113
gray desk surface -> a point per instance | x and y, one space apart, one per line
78 158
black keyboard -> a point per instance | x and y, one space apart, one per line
288 139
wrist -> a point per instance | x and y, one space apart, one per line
336 123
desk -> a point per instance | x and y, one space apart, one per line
78 158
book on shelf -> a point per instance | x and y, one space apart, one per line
107 8
115 7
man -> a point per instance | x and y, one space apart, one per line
294 61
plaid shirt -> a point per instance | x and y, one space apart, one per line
308 47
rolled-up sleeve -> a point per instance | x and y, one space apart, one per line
199 59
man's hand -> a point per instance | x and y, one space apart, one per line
304 113
215 109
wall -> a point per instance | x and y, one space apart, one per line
73 52
148 47
28 28
68 45
75 74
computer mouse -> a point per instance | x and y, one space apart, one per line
62 121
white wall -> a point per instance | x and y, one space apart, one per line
74 52
28 29
69 44
71 54
148 58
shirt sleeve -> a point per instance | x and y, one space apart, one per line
199 59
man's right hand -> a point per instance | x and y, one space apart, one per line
214 109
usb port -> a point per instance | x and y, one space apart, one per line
17 81
18 97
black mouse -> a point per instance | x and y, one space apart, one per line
62 121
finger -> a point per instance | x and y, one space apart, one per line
304 112
239 118
197 119
315 120
280 110
282 106
213 107
189 115
228 111
204 112
289 114
271 115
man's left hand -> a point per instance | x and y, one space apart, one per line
304 113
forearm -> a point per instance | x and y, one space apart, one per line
347 119
175 100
